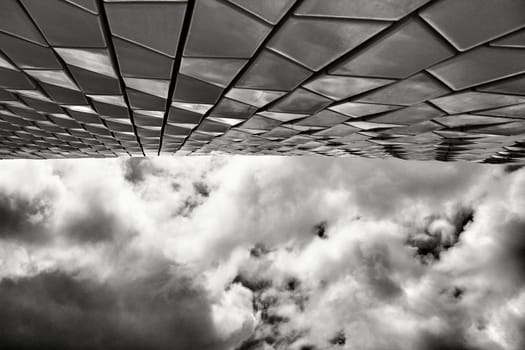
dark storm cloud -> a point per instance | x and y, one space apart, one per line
56 310
320 230
201 188
292 283
267 299
378 271
259 250
521 330
299 253
136 169
511 258
23 219
255 284
428 247
454 294
512 167
462 218
430 242
252 344
452 340
338 339
187 206
29 220
200 192
95 224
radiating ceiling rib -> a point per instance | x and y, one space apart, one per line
412 79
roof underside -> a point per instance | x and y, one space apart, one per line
413 79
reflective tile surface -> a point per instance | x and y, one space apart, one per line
414 79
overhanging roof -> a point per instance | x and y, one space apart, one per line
413 79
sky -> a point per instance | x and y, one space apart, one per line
299 253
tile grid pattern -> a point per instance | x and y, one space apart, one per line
413 79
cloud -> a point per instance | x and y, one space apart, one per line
512 250
378 270
439 233
23 218
55 310
448 341
262 253
137 169
97 280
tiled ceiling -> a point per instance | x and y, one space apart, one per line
413 79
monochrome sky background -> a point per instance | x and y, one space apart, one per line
300 253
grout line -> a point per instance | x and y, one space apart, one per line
188 15
113 56
64 68
250 60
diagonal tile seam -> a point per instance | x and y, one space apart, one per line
113 56
261 47
188 14
384 32
64 67
367 43
59 59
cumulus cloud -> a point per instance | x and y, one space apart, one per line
23 218
261 253
56 310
